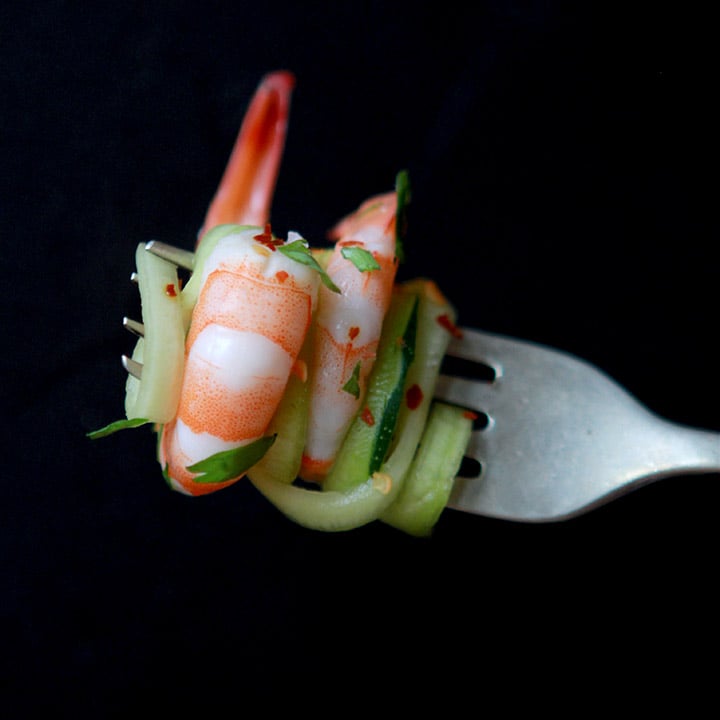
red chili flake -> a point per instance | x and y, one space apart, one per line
367 417
300 370
265 238
353 332
470 415
449 325
170 290
414 396
281 275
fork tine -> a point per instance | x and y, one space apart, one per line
469 394
133 367
182 258
135 327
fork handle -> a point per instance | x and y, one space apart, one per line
680 448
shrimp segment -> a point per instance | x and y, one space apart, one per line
245 193
248 326
348 328
253 309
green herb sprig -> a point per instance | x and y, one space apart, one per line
230 464
113 427
352 386
299 251
361 258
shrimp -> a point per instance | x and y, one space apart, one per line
253 309
347 329
247 330
246 188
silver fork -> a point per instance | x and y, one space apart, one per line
561 437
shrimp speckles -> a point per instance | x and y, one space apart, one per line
247 329
233 374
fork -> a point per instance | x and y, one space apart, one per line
561 437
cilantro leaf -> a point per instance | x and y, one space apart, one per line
352 386
402 189
297 250
230 464
361 258
113 427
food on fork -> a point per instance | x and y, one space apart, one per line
248 327
309 370
347 327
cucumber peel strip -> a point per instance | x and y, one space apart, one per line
340 510
429 482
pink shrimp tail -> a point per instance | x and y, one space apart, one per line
378 210
247 186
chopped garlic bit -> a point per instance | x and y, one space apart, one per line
261 250
382 482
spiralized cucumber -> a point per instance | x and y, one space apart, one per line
365 446
365 501
433 337
161 350
427 487
400 472
330 510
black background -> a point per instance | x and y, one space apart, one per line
562 158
